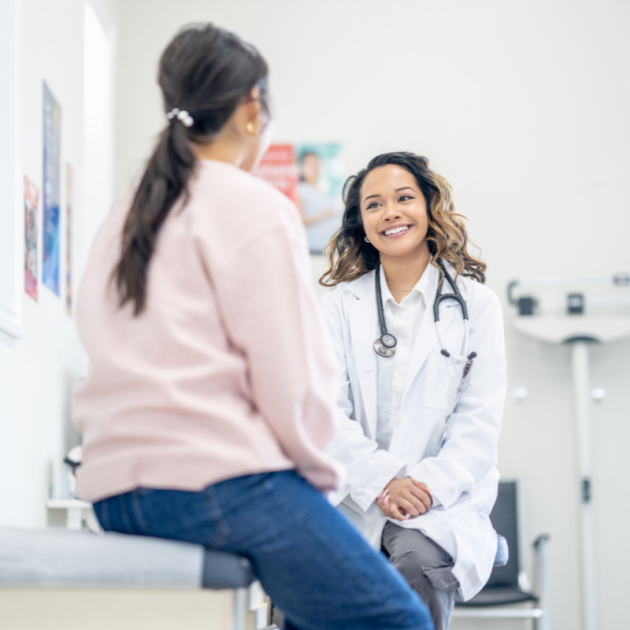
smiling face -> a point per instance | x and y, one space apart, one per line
394 212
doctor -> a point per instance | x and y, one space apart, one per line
421 480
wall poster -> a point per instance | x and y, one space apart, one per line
51 192
31 201
69 203
312 175
279 168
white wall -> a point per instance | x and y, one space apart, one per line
11 179
98 122
523 107
38 371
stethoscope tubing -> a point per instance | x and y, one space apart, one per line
455 295
385 345
379 303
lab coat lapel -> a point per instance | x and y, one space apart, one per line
427 338
363 320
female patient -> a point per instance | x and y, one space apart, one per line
207 402
418 486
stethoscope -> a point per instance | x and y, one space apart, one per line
385 345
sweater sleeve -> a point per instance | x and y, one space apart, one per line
270 311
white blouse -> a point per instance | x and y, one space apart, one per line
403 321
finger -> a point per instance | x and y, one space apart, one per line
397 513
422 496
409 507
423 487
426 505
420 484
408 495
419 503
386 509
383 503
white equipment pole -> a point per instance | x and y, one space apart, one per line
582 401
578 329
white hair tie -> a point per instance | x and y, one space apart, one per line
183 116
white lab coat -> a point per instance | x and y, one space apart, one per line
461 476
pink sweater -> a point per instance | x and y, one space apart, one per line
226 372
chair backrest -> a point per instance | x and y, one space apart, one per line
504 518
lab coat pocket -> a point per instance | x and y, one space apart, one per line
438 382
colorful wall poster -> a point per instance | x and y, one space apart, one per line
312 175
31 201
322 177
51 192
278 167
69 203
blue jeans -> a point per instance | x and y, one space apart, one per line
309 559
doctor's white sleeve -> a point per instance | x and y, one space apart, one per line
369 469
471 449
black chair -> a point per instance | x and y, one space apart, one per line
506 595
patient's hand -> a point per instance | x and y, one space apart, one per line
404 498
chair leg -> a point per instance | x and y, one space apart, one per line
542 582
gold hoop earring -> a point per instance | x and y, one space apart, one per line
252 129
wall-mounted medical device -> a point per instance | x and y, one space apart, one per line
558 310
574 302
578 312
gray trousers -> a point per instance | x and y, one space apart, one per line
426 567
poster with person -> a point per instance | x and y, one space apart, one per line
31 201
312 175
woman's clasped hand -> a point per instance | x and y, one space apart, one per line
404 498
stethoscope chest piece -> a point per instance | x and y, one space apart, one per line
385 345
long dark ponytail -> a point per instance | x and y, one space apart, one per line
206 72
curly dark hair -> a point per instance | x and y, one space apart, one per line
350 256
